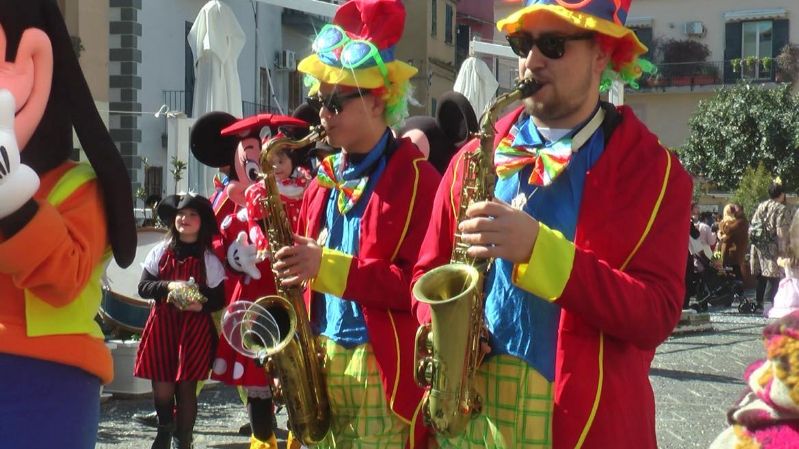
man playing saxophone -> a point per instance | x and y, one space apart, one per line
587 239
361 225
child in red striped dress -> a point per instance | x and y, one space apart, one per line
184 278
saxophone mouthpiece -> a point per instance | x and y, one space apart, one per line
528 87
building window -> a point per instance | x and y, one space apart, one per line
434 15
433 106
757 42
188 72
153 180
462 44
296 97
448 24
263 81
644 35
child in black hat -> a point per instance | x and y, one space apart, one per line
184 278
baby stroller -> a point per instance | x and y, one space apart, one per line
714 285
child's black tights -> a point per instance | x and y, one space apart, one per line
176 405
261 412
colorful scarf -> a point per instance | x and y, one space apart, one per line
330 175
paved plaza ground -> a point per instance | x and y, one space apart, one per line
696 377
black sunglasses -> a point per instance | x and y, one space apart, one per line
333 102
551 46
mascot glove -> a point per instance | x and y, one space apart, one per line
243 256
18 182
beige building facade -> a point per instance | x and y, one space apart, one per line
87 20
428 44
87 24
732 30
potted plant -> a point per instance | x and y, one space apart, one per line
178 167
787 64
766 62
750 62
706 74
736 65
681 57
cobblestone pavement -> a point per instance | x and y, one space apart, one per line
696 377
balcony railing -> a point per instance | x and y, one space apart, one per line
708 73
249 108
175 100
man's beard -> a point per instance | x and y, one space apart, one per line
558 106
547 111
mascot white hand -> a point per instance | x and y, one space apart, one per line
18 182
243 256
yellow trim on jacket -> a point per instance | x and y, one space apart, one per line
416 163
77 317
601 356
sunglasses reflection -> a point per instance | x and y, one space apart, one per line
551 46
335 101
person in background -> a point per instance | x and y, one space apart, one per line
768 233
787 298
700 219
292 180
734 237
184 277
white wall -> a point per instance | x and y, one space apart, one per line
163 49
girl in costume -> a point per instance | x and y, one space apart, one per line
184 278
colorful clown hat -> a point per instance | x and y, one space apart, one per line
606 17
357 48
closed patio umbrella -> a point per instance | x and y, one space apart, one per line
216 40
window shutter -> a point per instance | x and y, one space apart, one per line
781 36
732 49
645 36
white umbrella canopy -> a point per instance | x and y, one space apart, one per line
477 83
216 40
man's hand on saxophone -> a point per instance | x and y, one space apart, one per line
497 230
299 263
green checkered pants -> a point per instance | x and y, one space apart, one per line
517 408
361 417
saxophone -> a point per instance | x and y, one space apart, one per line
448 350
293 352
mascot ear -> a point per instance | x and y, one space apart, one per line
456 117
424 131
208 144
74 96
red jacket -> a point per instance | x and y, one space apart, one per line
392 229
623 293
